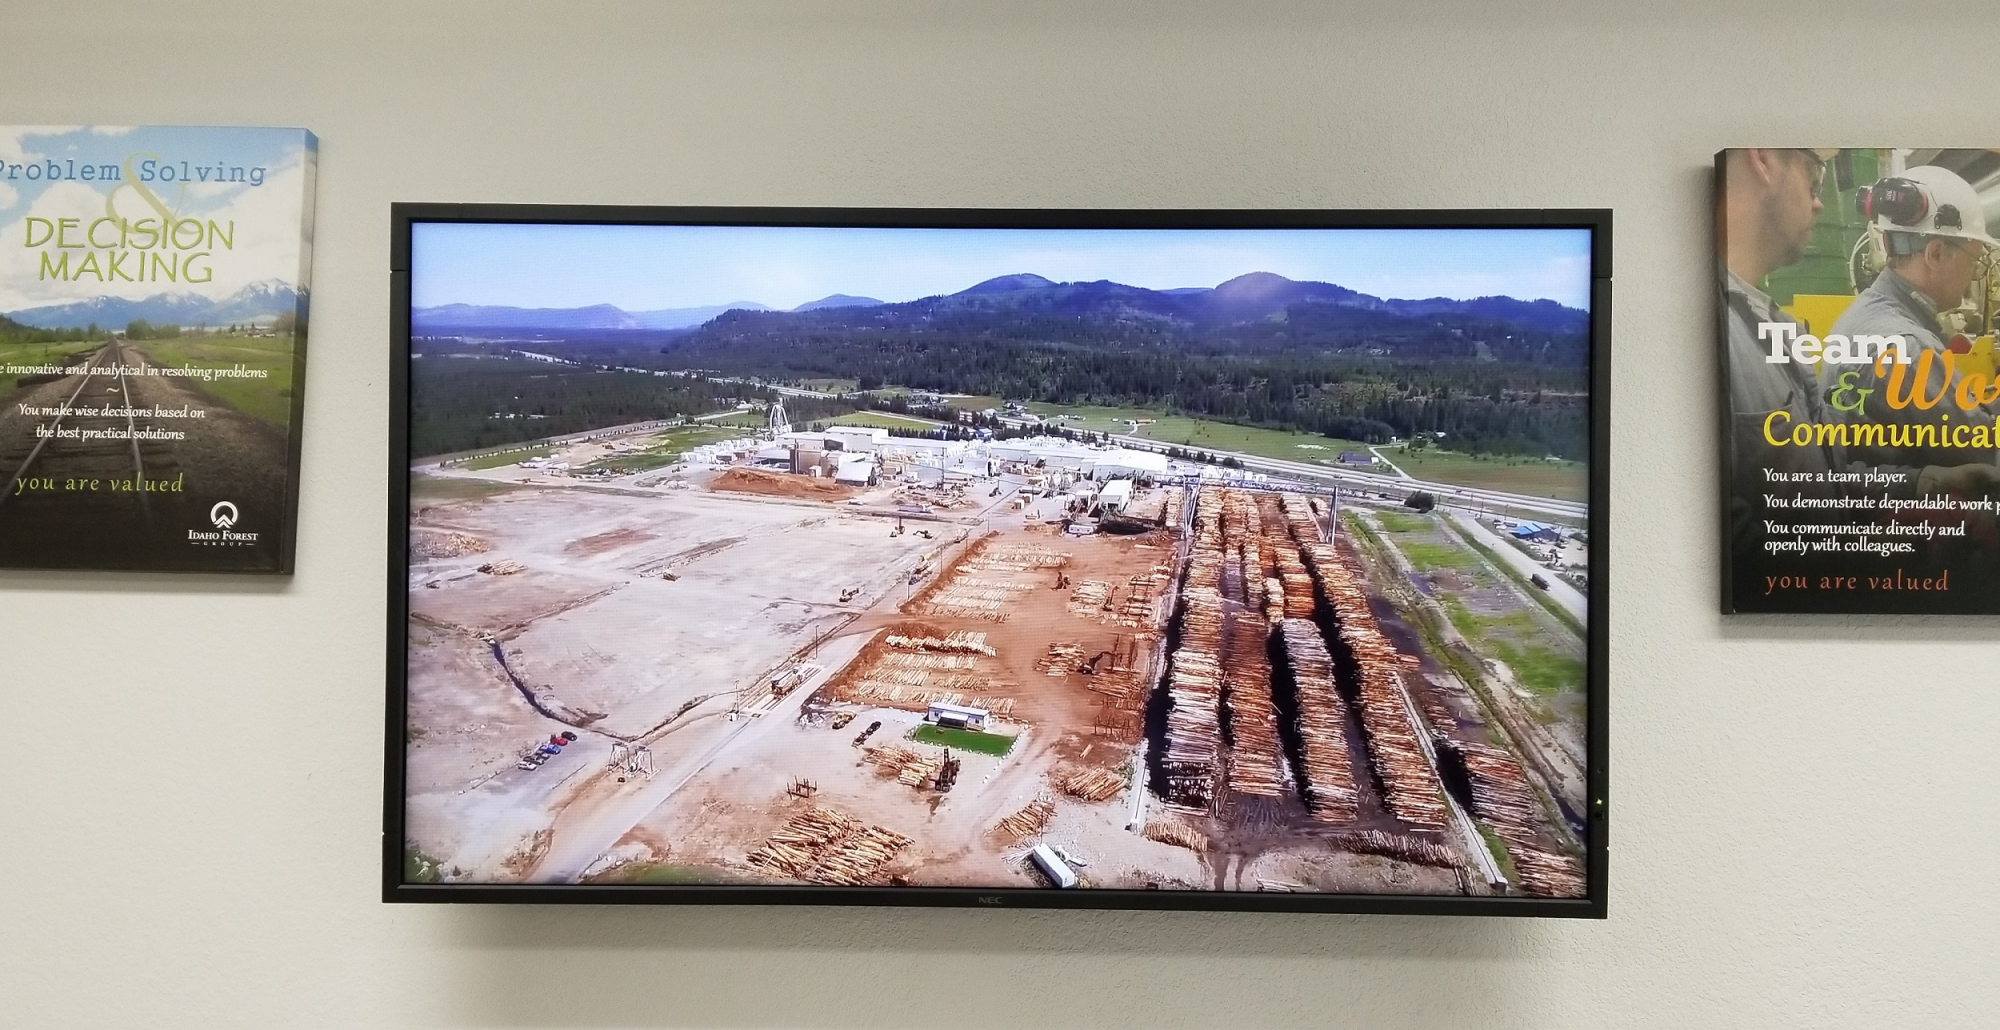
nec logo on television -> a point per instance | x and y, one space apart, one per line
223 516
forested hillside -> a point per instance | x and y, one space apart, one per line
1311 359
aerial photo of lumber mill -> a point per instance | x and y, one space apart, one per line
792 590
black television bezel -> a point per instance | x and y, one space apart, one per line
1592 906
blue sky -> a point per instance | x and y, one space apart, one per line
641 268
269 218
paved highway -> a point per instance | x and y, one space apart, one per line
1460 496
1559 590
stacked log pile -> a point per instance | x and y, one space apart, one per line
1193 754
1028 821
1088 597
1180 835
1402 847
1257 756
1061 660
912 768
1328 770
961 642
1122 715
1503 798
820 845
1088 784
1194 690
1410 785
1142 599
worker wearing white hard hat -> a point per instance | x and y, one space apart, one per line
1934 232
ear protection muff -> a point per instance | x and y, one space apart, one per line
1899 200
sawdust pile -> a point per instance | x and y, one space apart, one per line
779 484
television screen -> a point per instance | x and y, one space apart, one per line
1228 559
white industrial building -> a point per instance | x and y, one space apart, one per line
855 472
857 438
1115 496
956 716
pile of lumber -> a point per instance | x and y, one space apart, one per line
1256 756
1179 834
1328 766
1122 714
1298 583
1061 660
926 660
1028 821
1088 784
430 543
820 845
1013 558
1299 519
1193 755
1399 846
1089 597
1410 783
1194 692
504 567
912 768
961 642
1502 797
1176 506
1140 604
873 690
976 597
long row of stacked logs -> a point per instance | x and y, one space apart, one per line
1411 789
1194 675
1327 769
1501 795
1256 765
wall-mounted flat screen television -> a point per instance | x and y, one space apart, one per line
1134 559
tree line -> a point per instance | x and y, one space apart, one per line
462 404
1485 386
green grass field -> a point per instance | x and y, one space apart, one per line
501 459
1538 477
1186 431
268 399
884 420
1396 522
663 448
995 744
830 385
1511 638
1431 557
740 420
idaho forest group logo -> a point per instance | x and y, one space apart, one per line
223 515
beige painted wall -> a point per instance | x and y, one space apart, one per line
1804 832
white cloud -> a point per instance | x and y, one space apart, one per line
9 196
11 136
266 239
111 130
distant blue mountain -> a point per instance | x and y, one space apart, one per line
261 301
1009 284
459 318
839 300
1247 298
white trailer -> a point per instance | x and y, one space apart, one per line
1057 870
